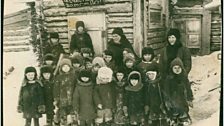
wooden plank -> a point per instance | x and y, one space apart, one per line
157 45
158 29
15 38
16 18
15 44
58 24
16 32
16 50
14 27
156 34
57 29
216 39
190 11
16 13
119 19
122 25
50 19
155 40
206 28
121 7
119 14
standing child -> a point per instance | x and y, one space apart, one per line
46 73
83 103
81 39
129 64
109 60
134 99
31 101
63 91
120 79
179 90
104 96
154 107
147 59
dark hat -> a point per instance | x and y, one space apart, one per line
148 50
108 52
46 69
134 76
177 61
129 57
30 69
85 73
152 67
77 59
118 31
80 23
54 35
86 50
49 56
175 32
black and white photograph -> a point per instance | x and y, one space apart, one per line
112 63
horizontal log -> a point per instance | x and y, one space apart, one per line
16 13
215 47
116 1
16 41
57 24
119 14
57 29
157 45
122 7
15 38
214 26
16 44
19 32
155 40
55 19
17 50
15 27
216 39
216 33
16 18
63 41
120 19
156 34
192 11
159 29
122 25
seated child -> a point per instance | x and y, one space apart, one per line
47 80
134 99
83 103
104 96
31 98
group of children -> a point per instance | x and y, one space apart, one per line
91 90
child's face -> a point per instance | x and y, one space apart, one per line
85 55
177 69
172 39
89 65
129 64
85 79
125 53
120 76
47 76
151 75
107 58
134 82
96 68
104 80
54 41
30 76
76 65
49 62
147 57
75 53
66 68
80 29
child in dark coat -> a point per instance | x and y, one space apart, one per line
179 90
120 80
108 58
46 73
31 98
80 39
154 103
147 59
104 96
54 46
83 103
63 91
134 99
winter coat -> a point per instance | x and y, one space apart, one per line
48 86
30 99
119 116
117 50
83 102
154 98
183 53
134 97
178 88
104 94
111 65
81 40
56 50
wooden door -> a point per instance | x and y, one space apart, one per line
95 24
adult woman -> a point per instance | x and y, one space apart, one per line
117 45
174 49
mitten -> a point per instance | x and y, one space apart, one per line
100 106
19 109
41 108
69 119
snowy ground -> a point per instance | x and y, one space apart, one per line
205 74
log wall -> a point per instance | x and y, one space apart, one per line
216 25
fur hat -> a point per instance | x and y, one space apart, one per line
152 67
54 35
108 52
84 73
148 50
46 69
49 56
99 61
129 57
30 69
66 61
134 76
175 32
118 31
79 23
77 59
177 61
105 72
86 50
